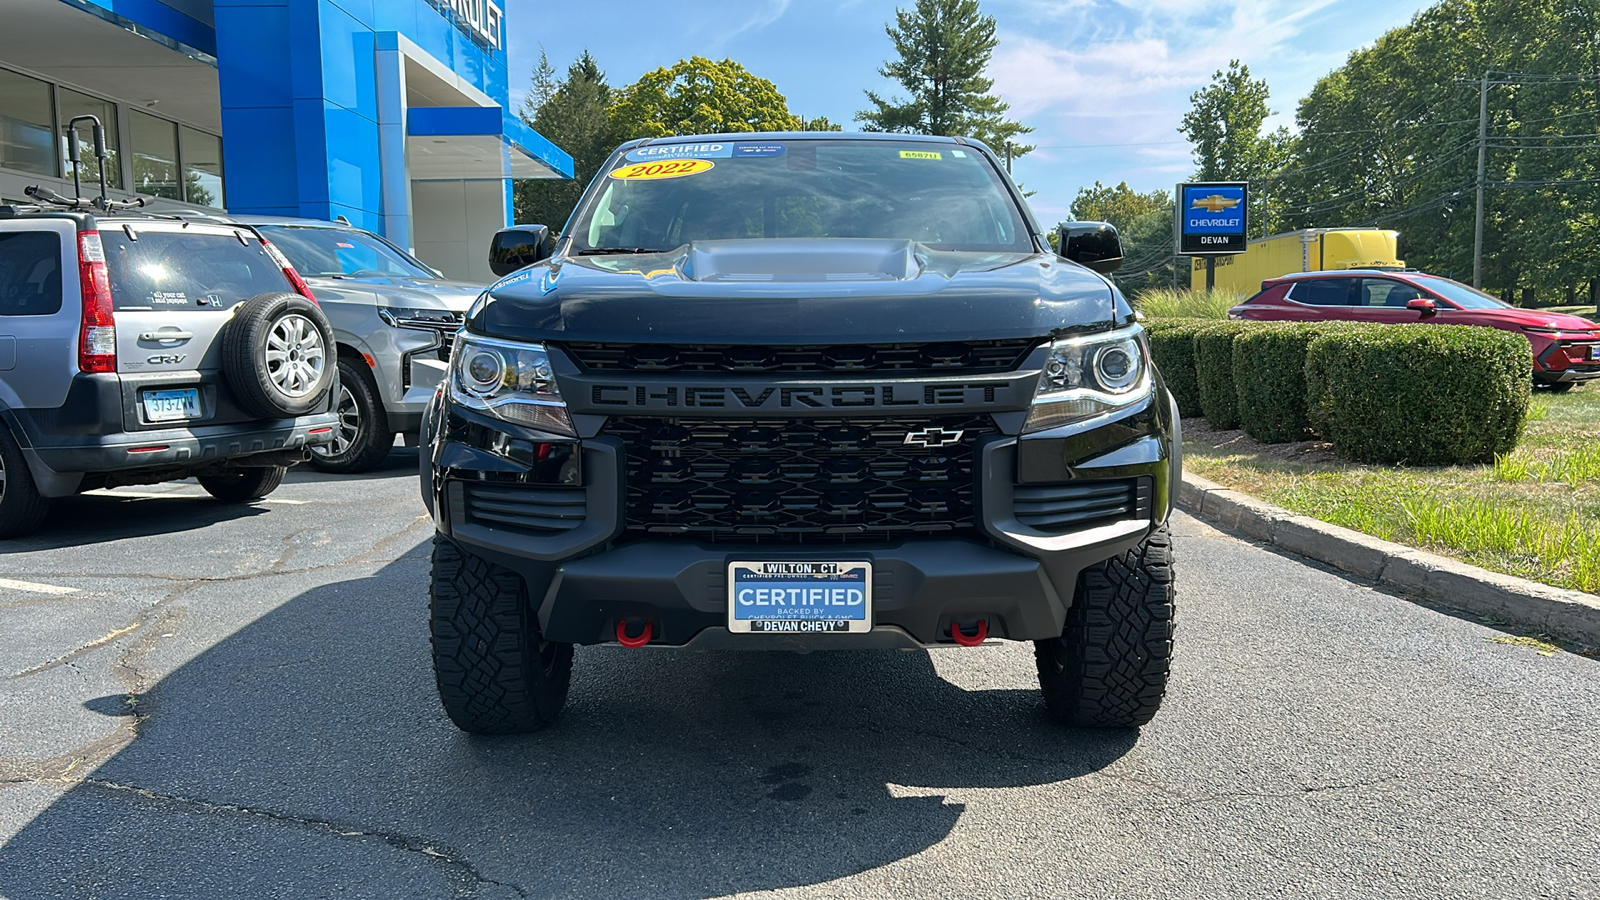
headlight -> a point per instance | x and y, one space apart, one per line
1090 375
508 380
406 317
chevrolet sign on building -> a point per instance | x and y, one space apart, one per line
393 114
478 19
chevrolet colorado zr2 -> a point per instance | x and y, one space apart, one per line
800 392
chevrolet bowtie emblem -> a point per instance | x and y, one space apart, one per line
934 437
1215 203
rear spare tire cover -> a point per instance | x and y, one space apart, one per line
278 355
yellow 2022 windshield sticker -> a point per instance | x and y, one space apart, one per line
676 168
921 154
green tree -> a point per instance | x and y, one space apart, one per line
1145 223
1390 139
943 48
698 96
575 117
820 123
1224 124
1119 205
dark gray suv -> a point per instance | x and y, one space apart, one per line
136 349
393 320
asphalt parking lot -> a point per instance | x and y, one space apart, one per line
202 701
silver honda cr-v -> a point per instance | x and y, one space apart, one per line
393 318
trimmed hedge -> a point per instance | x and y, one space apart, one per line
1172 350
1269 374
1213 369
1419 394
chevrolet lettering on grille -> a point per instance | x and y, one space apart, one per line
842 396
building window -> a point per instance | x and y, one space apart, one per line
155 157
75 104
25 136
202 167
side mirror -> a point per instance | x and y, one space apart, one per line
1422 305
1094 245
518 246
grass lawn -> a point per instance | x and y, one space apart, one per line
1534 513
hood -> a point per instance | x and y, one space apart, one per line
797 292
405 292
1532 318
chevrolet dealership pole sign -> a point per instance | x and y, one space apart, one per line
1213 218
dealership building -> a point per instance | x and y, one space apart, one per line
392 114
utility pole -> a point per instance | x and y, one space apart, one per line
1483 140
1008 157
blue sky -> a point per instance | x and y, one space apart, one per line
1103 82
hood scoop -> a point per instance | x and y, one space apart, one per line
801 260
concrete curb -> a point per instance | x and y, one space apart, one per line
1416 573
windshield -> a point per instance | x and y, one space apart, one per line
326 252
661 196
1459 294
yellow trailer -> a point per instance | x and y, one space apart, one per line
1308 250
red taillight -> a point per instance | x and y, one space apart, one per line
300 286
97 336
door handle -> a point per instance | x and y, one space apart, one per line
165 337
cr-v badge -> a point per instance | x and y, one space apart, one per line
170 359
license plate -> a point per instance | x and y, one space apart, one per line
172 406
800 597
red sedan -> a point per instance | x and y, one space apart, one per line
1566 349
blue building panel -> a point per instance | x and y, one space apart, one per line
250 42
302 111
346 70
273 180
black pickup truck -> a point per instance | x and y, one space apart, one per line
801 391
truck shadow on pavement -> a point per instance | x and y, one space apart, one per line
306 755
88 519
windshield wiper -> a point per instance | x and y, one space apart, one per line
605 251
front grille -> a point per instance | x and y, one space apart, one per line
1076 505
533 510
969 357
799 481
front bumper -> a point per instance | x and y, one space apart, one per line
585 579
1566 361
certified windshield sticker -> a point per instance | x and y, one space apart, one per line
759 150
920 154
652 152
671 169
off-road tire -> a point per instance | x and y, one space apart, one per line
250 373
496 674
243 485
1109 667
361 415
22 508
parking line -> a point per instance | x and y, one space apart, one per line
35 587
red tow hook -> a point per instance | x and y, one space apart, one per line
959 634
632 642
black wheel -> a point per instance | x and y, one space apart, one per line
278 356
243 485
362 438
22 508
496 674
1109 667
